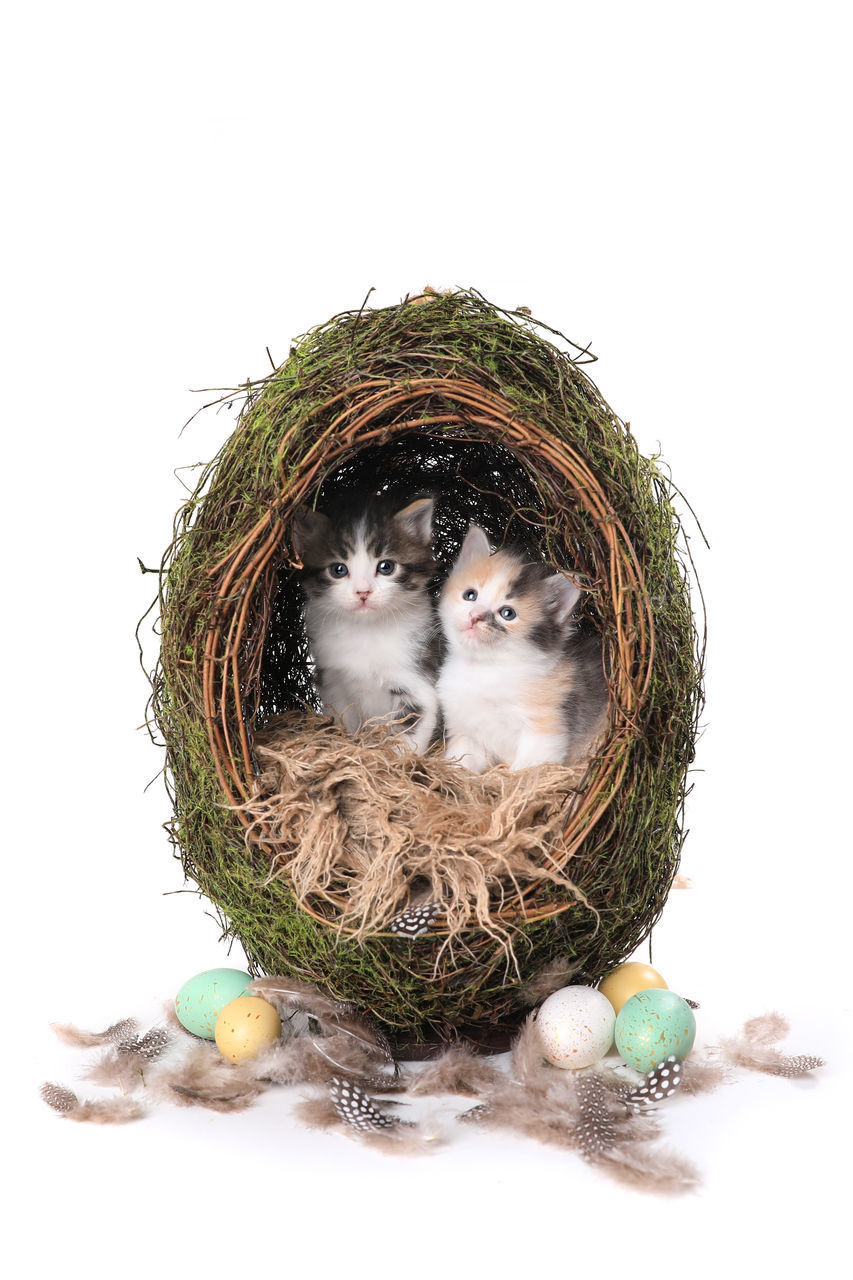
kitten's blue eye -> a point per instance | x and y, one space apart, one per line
507 614
470 594
386 566
338 570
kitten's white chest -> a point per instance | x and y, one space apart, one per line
483 701
365 663
372 651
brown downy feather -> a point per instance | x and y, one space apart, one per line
334 1017
535 1099
202 1077
317 1112
754 1049
458 1071
702 1075
289 995
404 1140
124 1066
103 1111
646 1168
338 1055
228 1095
527 1060
559 973
767 1028
118 1033
111 1071
311 1059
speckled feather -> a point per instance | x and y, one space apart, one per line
596 1128
415 920
356 1108
659 1083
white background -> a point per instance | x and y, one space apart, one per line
189 183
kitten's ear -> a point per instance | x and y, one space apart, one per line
307 525
475 546
416 519
561 596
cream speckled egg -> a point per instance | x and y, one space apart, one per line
627 979
576 1026
246 1027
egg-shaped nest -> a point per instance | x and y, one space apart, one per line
310 843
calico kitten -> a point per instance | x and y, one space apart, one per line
519 686
371 624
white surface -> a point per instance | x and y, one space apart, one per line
194 182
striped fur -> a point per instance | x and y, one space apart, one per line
370 620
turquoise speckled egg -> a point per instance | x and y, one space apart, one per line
652 1025
201 999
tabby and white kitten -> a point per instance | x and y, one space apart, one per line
370 621
519 685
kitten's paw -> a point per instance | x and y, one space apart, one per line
465 753
536 749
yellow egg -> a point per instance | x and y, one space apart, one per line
246 1027
627 980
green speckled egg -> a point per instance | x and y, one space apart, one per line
201 999
652 1025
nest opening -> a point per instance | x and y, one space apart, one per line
360 834
472 478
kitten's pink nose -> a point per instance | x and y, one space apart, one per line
362 595
474 618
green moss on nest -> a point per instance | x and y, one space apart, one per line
627 861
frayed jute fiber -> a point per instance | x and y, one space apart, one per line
369 830
494 415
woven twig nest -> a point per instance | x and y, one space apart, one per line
491 413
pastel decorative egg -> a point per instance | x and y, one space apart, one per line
576 1027
652 1025
627 979
201 999
246 1027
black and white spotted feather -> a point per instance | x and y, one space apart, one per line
150 1046
415 920
120 1032
59 1098
596 1128
357 1109
659 1083
794 1067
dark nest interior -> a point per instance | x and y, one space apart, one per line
494 415
472 479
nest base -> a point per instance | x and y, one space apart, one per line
485 1040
